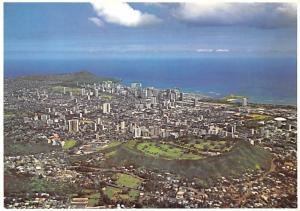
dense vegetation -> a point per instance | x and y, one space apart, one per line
13 149
17 184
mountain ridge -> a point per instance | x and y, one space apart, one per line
79 76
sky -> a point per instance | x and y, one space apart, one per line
112 29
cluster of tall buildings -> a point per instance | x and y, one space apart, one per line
73 125
106 108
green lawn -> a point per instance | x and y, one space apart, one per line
75 91
257 166
209 145
259 117
116 193
127 180
15 113
9 114
69 144
165 150
123 181
133 194
93 199
111 192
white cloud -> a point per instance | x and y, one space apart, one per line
263 15
204 50
96 21
211 50
222 50
121 13
289 11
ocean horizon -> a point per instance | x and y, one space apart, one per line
267 79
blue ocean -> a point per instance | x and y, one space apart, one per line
264 79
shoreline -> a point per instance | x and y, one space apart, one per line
189 91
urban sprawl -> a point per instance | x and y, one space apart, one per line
109 145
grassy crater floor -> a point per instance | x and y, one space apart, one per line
165 151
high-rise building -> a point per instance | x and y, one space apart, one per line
144 93
36 117
64 90
44 117
245 101
195 100
83 91
233 129
96 92
136 85
181 96
73 125
153 100
149 91
155 92
122 125
267 134
50 122
172 96
137 132
95 127
106 108
200 117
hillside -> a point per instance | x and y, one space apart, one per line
82 76
239 159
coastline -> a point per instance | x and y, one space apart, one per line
210 96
